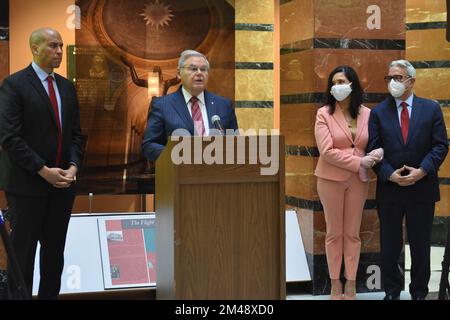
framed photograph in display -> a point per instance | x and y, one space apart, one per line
128 254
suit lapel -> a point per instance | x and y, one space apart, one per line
211 108
339 117
416 110
361 123
37 84
393 116
62 95
179 104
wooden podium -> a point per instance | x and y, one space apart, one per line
220 228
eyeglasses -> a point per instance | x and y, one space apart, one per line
397 77
193 69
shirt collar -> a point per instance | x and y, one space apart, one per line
409 101
41 72
188 96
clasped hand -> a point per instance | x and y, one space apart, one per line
411 178
58 177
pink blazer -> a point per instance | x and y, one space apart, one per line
340 155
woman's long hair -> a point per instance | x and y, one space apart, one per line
356 96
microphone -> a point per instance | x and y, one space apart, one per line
215 119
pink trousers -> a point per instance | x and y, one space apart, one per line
343 204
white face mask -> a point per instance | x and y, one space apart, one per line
341 91
397 89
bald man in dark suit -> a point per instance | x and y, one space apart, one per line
41 152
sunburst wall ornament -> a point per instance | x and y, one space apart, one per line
157 14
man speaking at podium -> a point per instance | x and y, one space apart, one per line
191 107
41 143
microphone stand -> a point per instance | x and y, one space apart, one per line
444 286
13 264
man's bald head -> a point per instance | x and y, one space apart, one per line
46 46
40 35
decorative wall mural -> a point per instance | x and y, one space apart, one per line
126 52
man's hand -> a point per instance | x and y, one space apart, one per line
415 174
57 177
411 178
71 173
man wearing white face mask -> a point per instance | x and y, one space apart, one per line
412 132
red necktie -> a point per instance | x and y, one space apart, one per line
404 121
52 95
197 117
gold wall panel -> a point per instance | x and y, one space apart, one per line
254 118
427 45
444 170
425 11
254 85
300 179
433 83
255 11
306 221
254 46
443 205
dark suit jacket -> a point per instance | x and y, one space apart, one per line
426 147
29 133
170 112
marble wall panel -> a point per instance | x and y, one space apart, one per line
306 221
297 123
433 83
291 13
296 72
444 170
442 207
254 11
253 46
348 19
371 66
255 118
427 45
425 11
300 180
254 85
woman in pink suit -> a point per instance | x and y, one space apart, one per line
342 183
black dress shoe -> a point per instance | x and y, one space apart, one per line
391 297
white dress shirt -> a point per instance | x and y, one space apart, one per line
202 105
398 102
